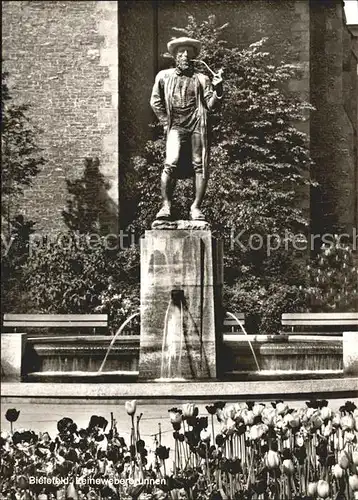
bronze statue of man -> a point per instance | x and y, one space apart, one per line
181 98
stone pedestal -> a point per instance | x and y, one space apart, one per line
181 279
350 353
12 353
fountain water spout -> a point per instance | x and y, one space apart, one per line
173 334
248 340
118 332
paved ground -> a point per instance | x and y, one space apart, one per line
44 416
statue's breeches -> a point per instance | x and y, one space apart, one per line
184 151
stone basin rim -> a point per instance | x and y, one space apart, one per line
300 389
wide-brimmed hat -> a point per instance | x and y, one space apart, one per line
178 42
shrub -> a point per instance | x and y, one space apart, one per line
334 278
84 277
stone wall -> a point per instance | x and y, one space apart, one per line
146 27
334 123
62 59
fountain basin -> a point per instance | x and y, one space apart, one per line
79 358
82 354
283 353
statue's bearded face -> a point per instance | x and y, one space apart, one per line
184 56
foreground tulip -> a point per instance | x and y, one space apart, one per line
189 410
312 489
281 408
343 460
355 457
322 488
328 429
257 409
326 413
205 435
347 422
336 420
11 415
337 471
316 422
268 416
230 427
131 407
288 467
22 482
353 482
272 459
175 416
71 491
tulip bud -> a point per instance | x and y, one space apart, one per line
310 412
336 420
316 422
300 440
272 459
175 417
131 407
288 467
61 493
322 488
22 482
328 429
337 471
189 410
281 408
254 433
268 416
230 426
355 457
343 460
71 491
288 418
326 413
347 422
248 417
205 435
353 482
229 411
349 437
12 414
258 409
312 489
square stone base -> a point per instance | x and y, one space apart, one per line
350 353
181 280
12 353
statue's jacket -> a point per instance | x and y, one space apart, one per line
206 99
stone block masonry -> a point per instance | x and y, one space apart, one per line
180 274
62 60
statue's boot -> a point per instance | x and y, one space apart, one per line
164 213
196 214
